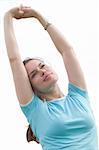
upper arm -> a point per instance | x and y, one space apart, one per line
22 85
73 68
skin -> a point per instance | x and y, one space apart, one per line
49 89
43 79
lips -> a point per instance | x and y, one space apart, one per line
46 76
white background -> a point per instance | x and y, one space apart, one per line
78 21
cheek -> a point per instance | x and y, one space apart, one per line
35 82
55 74
55 77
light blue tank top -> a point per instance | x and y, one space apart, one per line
66 123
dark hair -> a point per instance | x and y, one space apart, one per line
30 135
28 59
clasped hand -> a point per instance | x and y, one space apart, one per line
23 12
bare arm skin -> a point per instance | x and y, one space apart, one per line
22 85
72 65
73 68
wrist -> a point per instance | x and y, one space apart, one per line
8 14
7 18
42 20
47 25
35 14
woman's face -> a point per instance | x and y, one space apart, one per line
41 75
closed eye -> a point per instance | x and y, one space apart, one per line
43 65
33 75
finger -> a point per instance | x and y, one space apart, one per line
21 6
20 9
21 12
25 8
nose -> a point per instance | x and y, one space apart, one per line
41 71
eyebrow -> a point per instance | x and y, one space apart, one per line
34 69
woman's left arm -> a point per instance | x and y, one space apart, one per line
72 65
73 68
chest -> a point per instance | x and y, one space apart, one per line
63 119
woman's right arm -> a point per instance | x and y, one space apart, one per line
22 85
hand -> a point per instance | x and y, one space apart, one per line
16 12
22 12
27 12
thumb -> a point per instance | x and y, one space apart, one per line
20 9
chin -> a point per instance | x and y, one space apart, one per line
51 83
53 80
47 85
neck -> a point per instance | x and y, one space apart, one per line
53 94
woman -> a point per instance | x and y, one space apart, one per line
56 121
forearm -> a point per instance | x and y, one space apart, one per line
41 19
10 40
58 39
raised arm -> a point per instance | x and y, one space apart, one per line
73 68
22 85
72 65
